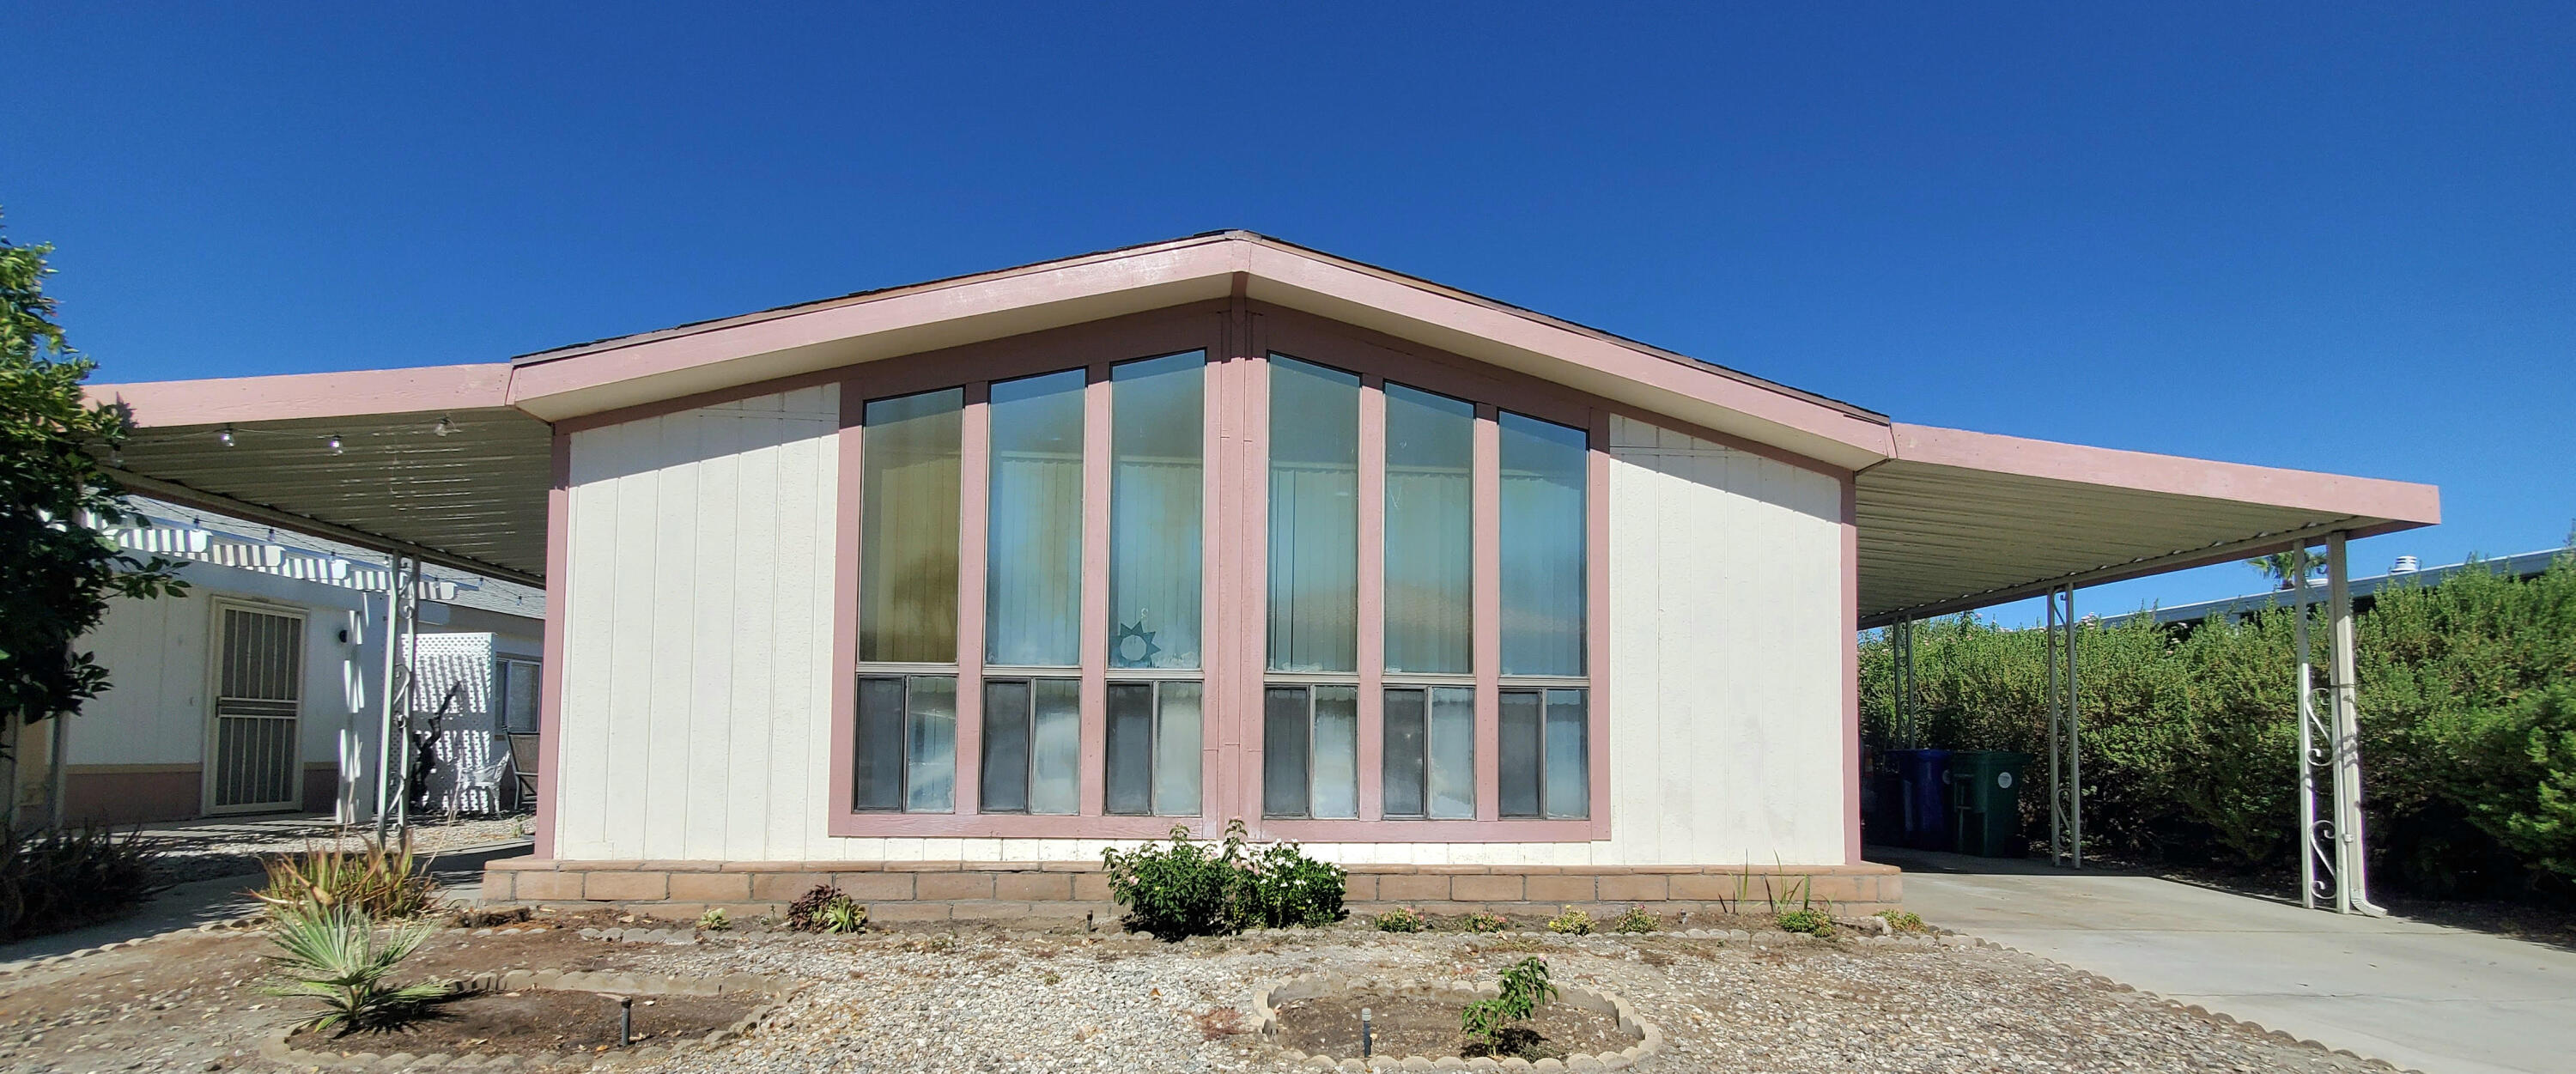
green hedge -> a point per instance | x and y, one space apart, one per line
2468 714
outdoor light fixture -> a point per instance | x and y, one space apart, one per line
225 436
1368 1033
333 444
445 426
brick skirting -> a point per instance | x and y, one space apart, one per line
904 890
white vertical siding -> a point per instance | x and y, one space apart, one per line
698 633
1725 655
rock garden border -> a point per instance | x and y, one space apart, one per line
275 1047
1650 1040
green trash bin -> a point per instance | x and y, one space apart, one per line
1986 785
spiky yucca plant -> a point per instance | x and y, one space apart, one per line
382 882
336 955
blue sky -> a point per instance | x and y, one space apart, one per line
2336 237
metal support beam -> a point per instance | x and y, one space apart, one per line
2332 865
174 492
2065 750
393 742
1904 734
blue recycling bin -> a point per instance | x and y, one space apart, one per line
1924 801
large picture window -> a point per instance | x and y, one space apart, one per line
1314 517
1156 485
1033 548
908 526
1543 522
1429 541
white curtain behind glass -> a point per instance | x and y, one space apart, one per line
1314 517
908 548
1156 426
1429 538
1543 469
1033 587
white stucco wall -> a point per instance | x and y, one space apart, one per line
698 648
155 711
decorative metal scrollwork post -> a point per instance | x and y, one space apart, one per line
2332 866
2065 751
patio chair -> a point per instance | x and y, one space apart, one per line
523 759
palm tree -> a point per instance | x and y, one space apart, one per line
2278 565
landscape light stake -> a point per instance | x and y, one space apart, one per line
1368 1034
625 1021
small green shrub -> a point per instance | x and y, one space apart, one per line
1636 919
384 883
715 919
1182 888
1481 922
1280 887
51 881
1400 919
842 917
1492 1021
333 954
1811 922
1903 921
1179 888
1572 922
825 908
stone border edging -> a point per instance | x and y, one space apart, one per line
2220 1017
1650 1040
275 1047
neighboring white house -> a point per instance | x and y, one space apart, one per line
257 690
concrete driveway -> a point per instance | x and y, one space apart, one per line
2438 999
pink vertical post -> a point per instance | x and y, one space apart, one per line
974 532
1250 597
845 603
1094 631
1372 595
1486 588
550 678
1596 618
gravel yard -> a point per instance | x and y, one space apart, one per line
996 1001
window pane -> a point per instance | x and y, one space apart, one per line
1005 784
877 774
930 773
1518 741
1337 752
519 695
908 529
1401 786
1314 517
1055 751
1176 750
1156 426
1283 751
1429 452
1452 749
1033 577
1542 547
1131 747
1569 787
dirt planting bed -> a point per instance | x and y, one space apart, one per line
535 1022
1424 1026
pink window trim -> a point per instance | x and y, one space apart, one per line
1237 335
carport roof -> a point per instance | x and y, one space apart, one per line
453 463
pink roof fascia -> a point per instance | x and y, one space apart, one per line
2360 497
294 396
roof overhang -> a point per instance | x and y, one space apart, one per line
1947 520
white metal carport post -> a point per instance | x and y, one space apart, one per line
2331 740
2065 755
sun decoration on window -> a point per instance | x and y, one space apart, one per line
1144 649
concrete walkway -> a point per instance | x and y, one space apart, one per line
2438 999
188 905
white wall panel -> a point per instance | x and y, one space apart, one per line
698 633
